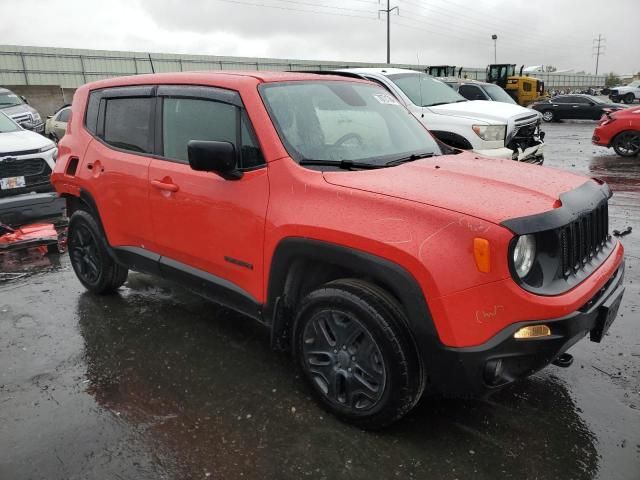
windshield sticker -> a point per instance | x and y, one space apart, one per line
385 99
12 95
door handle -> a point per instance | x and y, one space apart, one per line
170 187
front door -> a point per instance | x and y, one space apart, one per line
201 221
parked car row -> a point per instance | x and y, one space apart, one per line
572 107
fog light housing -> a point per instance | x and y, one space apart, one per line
532 331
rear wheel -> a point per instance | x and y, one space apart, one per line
548 116
627 144
90 259
629 98
352 343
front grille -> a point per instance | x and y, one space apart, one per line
18 168
525 120
19 153
584 238
22 117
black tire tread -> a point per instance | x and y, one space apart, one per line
392 321
114 275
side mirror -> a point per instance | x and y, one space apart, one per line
217 157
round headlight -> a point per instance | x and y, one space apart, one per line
524 254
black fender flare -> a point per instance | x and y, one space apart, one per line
395 278
449 137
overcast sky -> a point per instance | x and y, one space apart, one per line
454 32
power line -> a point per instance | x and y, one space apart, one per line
292 9
598 47
484 26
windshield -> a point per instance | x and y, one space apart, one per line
7 125
634 84
335 121
9 99
424 90
498 94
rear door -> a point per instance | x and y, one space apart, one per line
205 225
116 163
583 109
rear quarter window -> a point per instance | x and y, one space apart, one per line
91 117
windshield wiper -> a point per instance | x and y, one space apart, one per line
410 158
343 164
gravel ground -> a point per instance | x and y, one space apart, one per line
156 383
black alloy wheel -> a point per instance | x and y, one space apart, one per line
344 360
627 144
83 250
353 344
90 260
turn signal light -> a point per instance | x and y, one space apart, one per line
533 331
482 254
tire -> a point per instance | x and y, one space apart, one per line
629 98
627 144
548 115
90 260
374 378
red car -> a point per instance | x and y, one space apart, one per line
387 262
620 130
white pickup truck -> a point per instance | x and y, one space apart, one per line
627 94
492 129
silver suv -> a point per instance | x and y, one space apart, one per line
17 108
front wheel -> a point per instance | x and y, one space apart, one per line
90 259
352 343
628 98
627 144
548 116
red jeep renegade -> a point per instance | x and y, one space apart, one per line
387 262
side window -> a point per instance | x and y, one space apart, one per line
560 100
127 123
63 115
471 92
185 119
526 86
91 118
581 100
251 155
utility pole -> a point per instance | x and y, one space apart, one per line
388 11
598 49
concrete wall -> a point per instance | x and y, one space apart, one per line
46 99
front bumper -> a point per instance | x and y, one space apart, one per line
476 371
533 154
503 152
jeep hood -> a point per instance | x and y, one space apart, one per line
495 112
22 140
492 189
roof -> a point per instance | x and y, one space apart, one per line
215 77
381 71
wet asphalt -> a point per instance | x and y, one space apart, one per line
156 383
